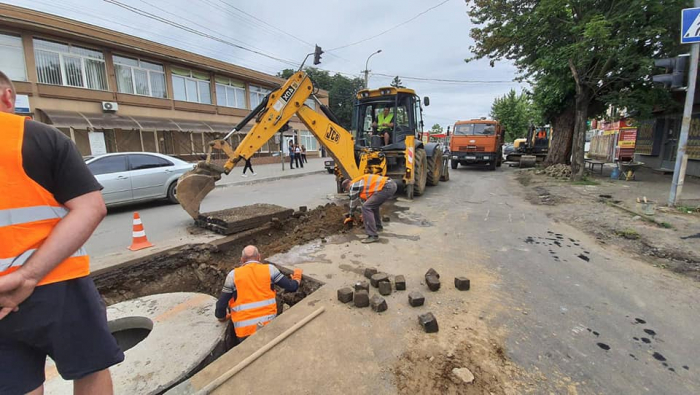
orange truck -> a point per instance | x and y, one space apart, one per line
477 142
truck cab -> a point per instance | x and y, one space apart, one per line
477 142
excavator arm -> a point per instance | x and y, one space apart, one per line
271 116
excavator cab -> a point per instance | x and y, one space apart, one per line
396 115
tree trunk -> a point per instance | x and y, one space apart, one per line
562 137
579 140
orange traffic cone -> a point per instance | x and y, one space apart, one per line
139 235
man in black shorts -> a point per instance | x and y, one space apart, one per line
49 206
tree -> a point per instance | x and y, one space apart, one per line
515 113
604 46
341 91
437 129
396 82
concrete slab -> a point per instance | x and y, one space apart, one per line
183 335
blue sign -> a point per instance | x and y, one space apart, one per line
690 26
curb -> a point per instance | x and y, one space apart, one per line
267 179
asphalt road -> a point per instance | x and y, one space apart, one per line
573 308
168 225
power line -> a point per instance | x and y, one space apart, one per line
274 27
194 31
265 23
447 80
391 28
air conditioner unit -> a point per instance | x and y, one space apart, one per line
110 106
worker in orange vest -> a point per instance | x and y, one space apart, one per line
371 191
49 206
249 294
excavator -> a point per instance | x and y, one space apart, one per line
533 148
406 159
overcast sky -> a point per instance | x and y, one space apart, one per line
434 45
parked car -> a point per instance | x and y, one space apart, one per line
129 177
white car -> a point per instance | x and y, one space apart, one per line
129 177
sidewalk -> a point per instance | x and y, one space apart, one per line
270 172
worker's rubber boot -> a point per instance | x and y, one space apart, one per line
371 239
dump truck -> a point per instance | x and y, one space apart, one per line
412 163
477 142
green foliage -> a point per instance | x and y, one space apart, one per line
515 113
397 83
603 48
341 91
436 128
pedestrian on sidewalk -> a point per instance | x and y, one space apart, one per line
247 166
249 294
373 190
303 154
291 155
297 156
48 303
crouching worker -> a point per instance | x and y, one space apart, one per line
373 190
249 294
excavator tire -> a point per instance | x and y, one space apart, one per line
434 168
421 170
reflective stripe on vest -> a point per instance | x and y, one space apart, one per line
254 321
255 301
6 263
24 215
254 305
372 183
28 212
382 120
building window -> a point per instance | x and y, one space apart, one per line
12 57
139 77
308 140
257 94
230 93
68 65
190 85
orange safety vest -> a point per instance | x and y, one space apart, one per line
28 212
255 304
372 183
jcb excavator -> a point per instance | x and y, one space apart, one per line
360 151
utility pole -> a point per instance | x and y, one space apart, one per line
366 70
681 156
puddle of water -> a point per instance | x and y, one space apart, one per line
603 346
659 357
650 332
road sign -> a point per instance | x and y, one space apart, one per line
690 26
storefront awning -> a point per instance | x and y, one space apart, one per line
81 120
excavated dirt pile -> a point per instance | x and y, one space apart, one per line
203 267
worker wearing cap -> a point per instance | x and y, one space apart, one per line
249 293
385 124
373 190
49 206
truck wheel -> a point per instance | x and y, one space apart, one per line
434 167
492 165
421 172
499 161
453 164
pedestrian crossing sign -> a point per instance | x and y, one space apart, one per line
690 26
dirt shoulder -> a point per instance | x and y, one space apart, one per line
610 211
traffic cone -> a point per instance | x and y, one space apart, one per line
139 235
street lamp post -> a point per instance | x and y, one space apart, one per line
367 70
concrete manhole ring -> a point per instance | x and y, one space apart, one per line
166 337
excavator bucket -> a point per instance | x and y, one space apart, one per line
194 185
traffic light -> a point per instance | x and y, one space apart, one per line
317 55
675 71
